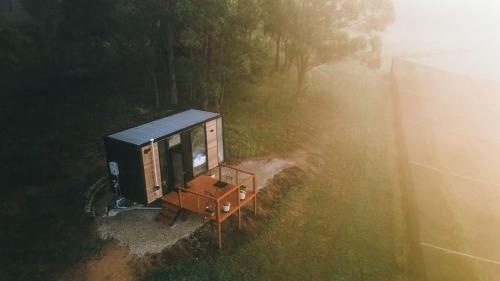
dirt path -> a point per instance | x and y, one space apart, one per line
113 263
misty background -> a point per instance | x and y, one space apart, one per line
445 74
461 35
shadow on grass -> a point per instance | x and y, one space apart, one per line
44 233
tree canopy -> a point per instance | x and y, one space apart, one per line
188 51
165 54
315 32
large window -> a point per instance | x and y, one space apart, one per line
199 150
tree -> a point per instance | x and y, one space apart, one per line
324 31
276 19
215 46
248 17
191 50
170 41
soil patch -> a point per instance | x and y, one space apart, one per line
112 264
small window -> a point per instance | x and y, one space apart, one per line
174 140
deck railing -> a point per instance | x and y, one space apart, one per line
234 176
237 178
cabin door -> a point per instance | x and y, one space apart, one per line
177 164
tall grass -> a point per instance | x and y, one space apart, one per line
268 119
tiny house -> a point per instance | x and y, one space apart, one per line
153 159
178 160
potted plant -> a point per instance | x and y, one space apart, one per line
226 206
243 192
210 211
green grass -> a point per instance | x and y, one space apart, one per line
347 223
45 233
268 119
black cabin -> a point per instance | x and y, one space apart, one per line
150 160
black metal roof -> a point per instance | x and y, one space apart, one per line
163 127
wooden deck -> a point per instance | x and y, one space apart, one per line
202 194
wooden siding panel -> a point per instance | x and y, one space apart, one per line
220 141
211 128
149 178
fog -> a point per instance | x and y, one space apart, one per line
447 80
447 25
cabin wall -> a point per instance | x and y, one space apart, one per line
215 142
151 184
129 162
220 140
211 134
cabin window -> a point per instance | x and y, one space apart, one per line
174 140
199 150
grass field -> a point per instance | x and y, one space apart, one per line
347 222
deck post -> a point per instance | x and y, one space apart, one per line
180 197
239 218
239 208
219 233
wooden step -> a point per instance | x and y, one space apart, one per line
167 220
171 206
168 213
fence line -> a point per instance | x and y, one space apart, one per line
442 171
449 251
